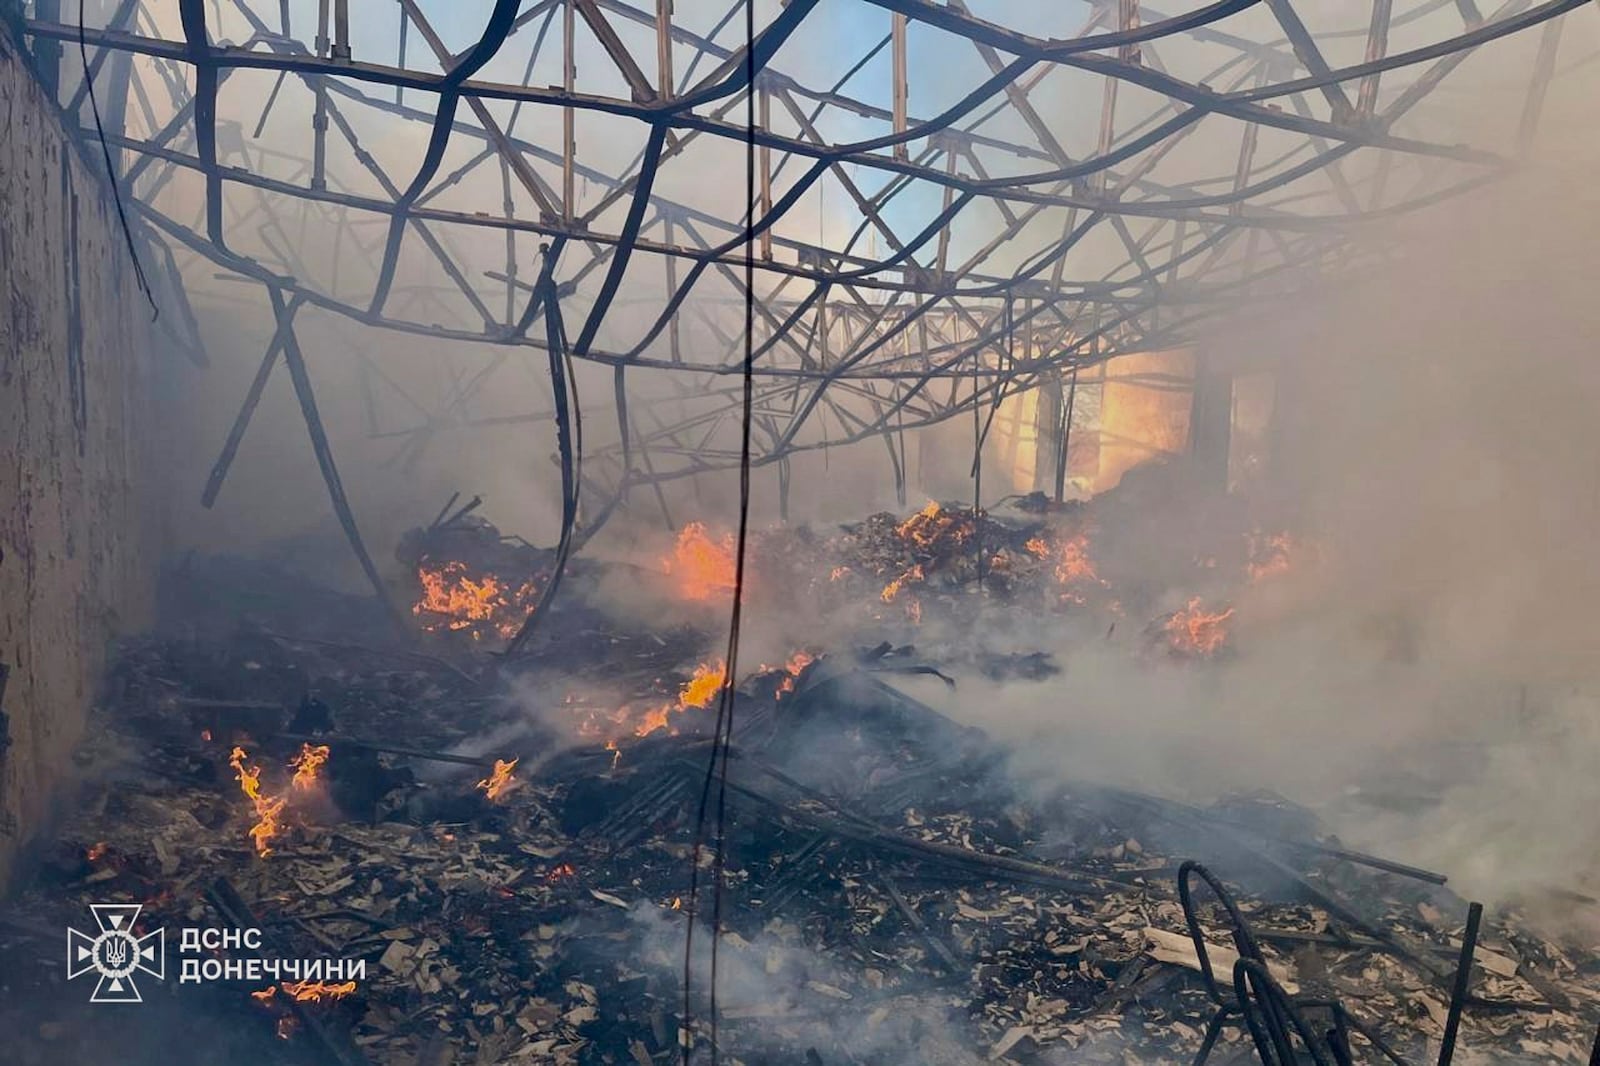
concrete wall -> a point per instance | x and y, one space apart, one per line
75 516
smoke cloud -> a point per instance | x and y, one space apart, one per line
1427 681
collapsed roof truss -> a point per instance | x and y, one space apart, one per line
1089 179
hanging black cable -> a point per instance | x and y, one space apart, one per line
111 171
569 442
717 766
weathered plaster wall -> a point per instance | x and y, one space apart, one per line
76 524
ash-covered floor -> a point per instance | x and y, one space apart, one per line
509 854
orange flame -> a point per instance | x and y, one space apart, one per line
1072 561
933 523
703 687
498 783
307 763
697 692
97 851
452 599
265 995
267 809
892 589
1196 631
654 719
1270 554
793 669
316 991
703 568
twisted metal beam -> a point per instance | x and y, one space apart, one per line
1230 154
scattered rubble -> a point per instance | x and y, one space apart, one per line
518 886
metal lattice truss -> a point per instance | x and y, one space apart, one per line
953 201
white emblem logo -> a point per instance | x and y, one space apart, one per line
116 954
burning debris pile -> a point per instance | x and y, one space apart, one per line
890 894
471 579
943 552
507 854
887 574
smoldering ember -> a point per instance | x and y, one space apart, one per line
871 532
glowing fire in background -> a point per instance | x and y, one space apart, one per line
702 568
1270 554
501 781
1196 631
454 600
267 808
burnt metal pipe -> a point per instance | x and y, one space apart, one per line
1458 997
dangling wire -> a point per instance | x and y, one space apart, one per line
569 444
111 172
717 766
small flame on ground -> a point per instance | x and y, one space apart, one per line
697 692
892 589
561 872
266 807
1073 567
96 851
1073 563
307 763
501 780
792 670
1196 631
702 567
838 573
316 991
